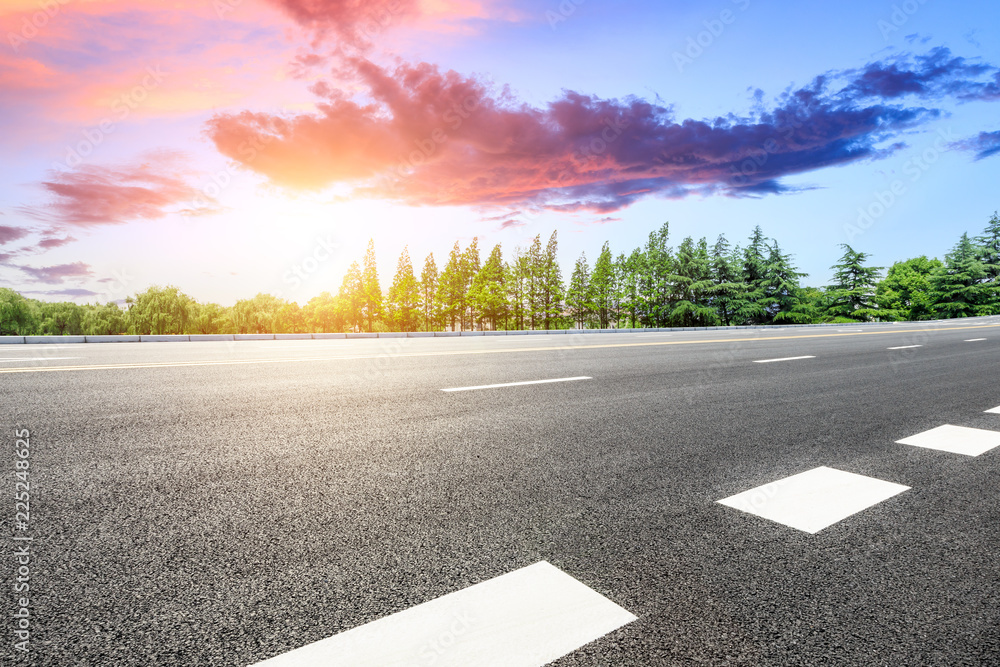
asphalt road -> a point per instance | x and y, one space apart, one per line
223 503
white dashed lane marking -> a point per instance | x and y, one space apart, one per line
995 411
955 439
526 618
517 384
813 500
975 340
771 361
903 347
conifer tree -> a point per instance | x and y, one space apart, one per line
371 290
428 293
579 295
852 294
958 286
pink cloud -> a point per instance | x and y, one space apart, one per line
10 234
50 242
57 274
101 195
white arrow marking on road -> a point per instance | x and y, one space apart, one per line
526 618
903 347
516 384
769 361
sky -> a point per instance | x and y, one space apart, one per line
231 147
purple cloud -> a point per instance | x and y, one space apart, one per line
984 145
11 234
57 274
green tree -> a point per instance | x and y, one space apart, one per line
852 293
989 248
451 288
428 294
550 284
630 270
519 287
752 305
352 296
905 292
488 293
210 318
782 290
257 315
323 314
404 296
579 296
958 287
160 311
691 284
655 278
371 291
728 288
17 317
469 270
604 288
106 320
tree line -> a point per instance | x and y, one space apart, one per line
694 284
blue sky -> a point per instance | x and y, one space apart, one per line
171 195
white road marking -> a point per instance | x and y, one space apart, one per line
813 500
10 359
903 347
768 361
975 340
526 618
955 439
516 384
848 330
994 411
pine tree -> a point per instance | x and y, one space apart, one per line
519 287
533 293
404 295
958 287
603 284
852 293
655 278
989 255
752 307
781 288
428 293
580 293
470 267
727 285
488 294
371 290
551 284
630 271
351 296
691 283
451 287
989 248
